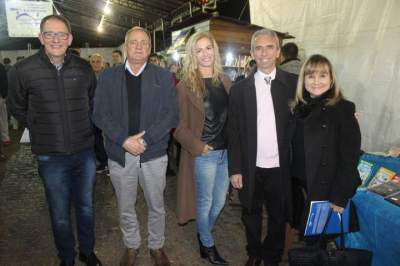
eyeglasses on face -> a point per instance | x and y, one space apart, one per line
59 35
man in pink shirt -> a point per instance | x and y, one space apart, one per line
258 149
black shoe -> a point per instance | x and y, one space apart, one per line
211 253
253 261
67 263
90 260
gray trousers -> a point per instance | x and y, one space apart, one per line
151 177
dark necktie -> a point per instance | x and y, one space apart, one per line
268 80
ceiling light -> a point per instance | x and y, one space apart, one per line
175 56
229 58
107 10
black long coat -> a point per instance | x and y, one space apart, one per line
332 142
242 130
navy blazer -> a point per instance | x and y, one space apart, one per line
158 110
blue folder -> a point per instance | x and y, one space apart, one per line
319 212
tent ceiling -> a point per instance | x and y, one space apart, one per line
85 16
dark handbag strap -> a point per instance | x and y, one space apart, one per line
341 235
341 232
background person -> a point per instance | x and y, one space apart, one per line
290 62
116 57
96 61
154 59
203 169
3 110
7 63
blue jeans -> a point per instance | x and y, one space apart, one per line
70 178
212 182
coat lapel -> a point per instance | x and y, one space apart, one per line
279 92
196 101
123 94
250 105
281 105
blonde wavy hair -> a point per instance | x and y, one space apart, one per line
310 66
191 73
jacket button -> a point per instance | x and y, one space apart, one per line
323 163
324 108
324 126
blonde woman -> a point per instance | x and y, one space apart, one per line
203 171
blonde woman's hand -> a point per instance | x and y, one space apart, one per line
206 149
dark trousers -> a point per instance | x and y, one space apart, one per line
69 179
101 154
268 192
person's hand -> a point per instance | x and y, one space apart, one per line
237 181
206 149
357 115
336 208
134 144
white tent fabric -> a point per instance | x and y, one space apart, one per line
361 38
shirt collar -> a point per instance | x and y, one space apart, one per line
127 66
263 75
57 66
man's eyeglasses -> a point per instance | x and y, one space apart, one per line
59 35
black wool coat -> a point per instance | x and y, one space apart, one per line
332 143
242 131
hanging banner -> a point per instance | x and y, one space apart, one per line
23 17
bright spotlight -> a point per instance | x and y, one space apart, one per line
99 28
107 10
229 58
175 56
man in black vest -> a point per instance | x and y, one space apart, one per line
51 94
258 148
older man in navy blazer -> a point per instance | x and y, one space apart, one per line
135 105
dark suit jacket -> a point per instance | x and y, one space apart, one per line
242 130
158 113
332 142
